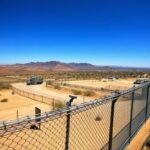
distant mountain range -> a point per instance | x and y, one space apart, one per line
45 67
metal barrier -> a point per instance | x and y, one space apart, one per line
36 97
103 124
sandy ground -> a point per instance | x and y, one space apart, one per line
52 93
120 84
85 132
25 106
52 133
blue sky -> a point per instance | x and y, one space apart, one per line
110 32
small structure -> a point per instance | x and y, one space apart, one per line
112 79
34 81
143 76
141 81
109 79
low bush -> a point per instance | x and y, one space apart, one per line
147 144
76 92
64 84
102 89
98 118
58 87
58 104
49 83
4 100
89 93
4 85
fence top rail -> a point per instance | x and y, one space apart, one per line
40 95
58 112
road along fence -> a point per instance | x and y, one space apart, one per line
47 100
109 88
102 124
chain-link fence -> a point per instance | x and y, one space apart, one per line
40 98
107 124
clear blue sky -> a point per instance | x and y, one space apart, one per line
103 32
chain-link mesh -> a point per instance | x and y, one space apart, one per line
90 127
27 135
121 121
139 109
94 125
35 97
148 107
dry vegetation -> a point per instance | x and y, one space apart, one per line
89 93
4 85
57 86
76 92
59 104
146 145
4 100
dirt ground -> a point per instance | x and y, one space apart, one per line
52 132
85 131
120 84
25 106
56 94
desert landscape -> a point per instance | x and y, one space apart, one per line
18 104
44 96
19 99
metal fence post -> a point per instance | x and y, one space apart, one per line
53 104
111 124
17 115
147 98
68 122
131 116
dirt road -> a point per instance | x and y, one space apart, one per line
47 92
121 84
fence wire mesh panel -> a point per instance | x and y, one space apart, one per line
121 121
35 97
27 136
102 124
148 107
139 109
90 127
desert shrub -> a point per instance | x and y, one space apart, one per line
76 92
89 93
49 83
58 87
4 85
116 91
102 89
98 118
147 144
4 100
58 104
64 84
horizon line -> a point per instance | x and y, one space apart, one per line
98 65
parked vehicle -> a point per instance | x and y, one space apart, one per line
141 81
34 81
